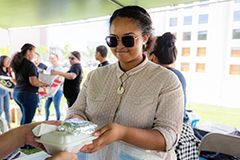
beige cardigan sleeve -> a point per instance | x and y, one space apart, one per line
169 115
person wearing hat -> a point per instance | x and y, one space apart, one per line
73 78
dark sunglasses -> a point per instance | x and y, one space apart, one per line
71 58
127 41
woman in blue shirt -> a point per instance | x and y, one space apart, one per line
165 53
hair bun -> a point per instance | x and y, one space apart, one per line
168 39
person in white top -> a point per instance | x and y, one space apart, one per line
54 59
134 102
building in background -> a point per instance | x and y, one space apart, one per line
208 40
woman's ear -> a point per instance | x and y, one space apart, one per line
145 38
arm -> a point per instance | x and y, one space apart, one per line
32 76
143 138
34 81
70 76
11 140
17 137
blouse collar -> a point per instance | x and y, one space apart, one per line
132 71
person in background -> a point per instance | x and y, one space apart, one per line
4 94
53 58
165 54
27 82
13 139
101 55
134 101
37 61
41 67
73 78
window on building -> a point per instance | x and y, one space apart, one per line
200 67
236 16
185 52
234 69
203 19
201 51
173 22
235 52
202 35
186 36
236 34
185 67
187 20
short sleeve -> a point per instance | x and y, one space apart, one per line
76 69
32 70
79 106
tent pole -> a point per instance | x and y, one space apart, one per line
117 3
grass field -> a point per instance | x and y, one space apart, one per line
217 114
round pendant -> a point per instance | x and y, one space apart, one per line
120 90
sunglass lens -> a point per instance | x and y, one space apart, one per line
111 41
128 41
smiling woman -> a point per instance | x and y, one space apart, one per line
132 101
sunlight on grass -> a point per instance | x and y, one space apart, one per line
217 114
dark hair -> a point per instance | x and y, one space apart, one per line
140 15
102 50
2 58
76 54
165 49
19 56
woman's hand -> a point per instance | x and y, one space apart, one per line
54 72
43 84
106 135
29 136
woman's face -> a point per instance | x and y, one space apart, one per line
31 54
6 62
72 59
53 59
125 26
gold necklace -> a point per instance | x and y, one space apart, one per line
120 89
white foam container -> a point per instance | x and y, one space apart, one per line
60 141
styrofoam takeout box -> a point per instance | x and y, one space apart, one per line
61 141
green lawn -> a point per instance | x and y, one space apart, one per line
217 114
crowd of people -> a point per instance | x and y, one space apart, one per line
133 101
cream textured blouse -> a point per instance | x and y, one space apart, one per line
152 98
